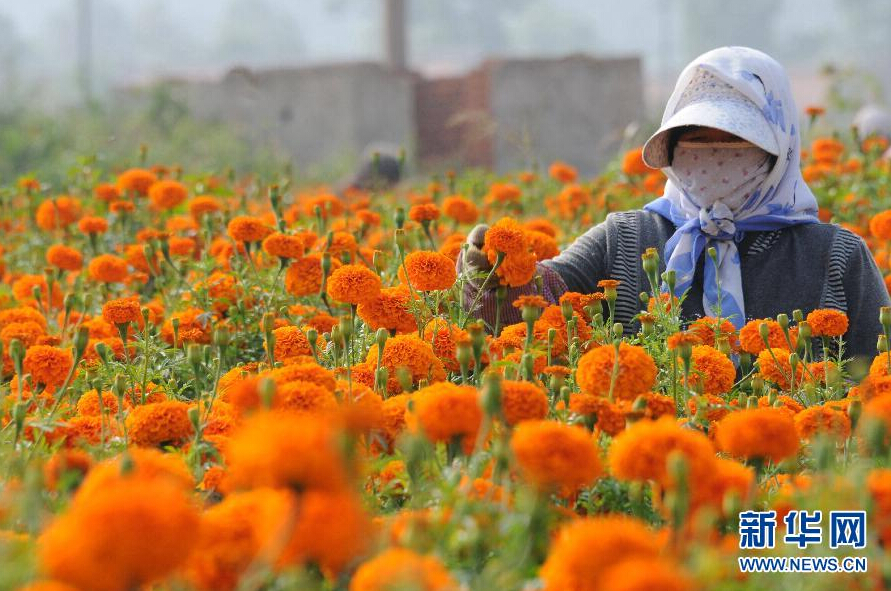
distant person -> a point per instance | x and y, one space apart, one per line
873 121
379 169
729 144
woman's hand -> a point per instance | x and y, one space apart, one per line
474 261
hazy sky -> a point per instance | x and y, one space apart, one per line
138 40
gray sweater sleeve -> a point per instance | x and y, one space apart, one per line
865 293
586 261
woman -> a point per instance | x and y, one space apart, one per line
729 144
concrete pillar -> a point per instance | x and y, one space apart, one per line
395 34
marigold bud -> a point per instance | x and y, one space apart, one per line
491 395
266 389
783 320
81 339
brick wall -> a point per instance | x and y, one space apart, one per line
453 121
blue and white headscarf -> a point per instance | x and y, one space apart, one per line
783 199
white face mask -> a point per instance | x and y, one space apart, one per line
728 172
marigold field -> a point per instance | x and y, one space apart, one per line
217 382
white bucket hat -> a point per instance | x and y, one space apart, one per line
708 101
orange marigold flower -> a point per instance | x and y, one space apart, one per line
762 433
64 257
286 450
121 207
827 150
22 314
195 326
106 192
361 408
66 465
875 143
879 408
23 289
506 236
774 366
648 405
122 311
877 369
223 290
410 352
531 301
425 212
451 246
879 485
304 397
636 375
393 420
368 218
640 453
633 163
48 365
234 534
681 339
827 323
304 276
712 371
786 402
290 341
341 243
541 225
160 424
644 574
750 336
556 455
389 310
332 531
328 205
136 180
139 530
543 246
28 332
88 404
517 269
580 301
203 205
522 401
560 171
707 329
248 229
460 209
428 271
599 411
822 420
402 568
58 212
167 194
446 412
353 284
108 268
586 549
142 463
654 182
444 338
503 193
283 245
305 371
181 246
880 225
